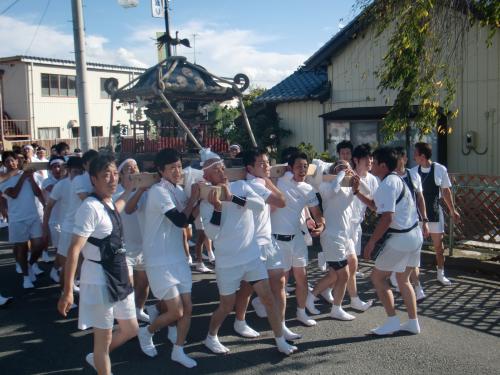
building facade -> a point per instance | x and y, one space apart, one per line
40 97
356 108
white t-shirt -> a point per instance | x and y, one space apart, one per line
132 229
262 219
55 214
91 219
415 178
298 195
80 184
44 173
405 212
61 193
337 208
322 168
163 243
24 207
359 208
234 239
441 177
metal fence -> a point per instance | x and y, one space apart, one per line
140 145
477 199
72 142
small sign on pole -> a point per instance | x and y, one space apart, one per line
157 8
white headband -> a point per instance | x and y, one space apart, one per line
123 163
220 161
56 161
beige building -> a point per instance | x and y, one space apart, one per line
40 97
355 108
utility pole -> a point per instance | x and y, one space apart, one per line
1 110
81 75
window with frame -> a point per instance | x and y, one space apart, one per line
97 131
48 133
58 85
370 131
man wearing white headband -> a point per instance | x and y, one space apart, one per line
229 222
133 219
234 150
52 228
60 198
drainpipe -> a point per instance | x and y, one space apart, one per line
1 108
32 104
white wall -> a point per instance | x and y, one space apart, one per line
15 91
50 111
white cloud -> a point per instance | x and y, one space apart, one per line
228 51
222 50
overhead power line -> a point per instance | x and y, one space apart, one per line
10 6
38 26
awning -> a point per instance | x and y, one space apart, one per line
362 113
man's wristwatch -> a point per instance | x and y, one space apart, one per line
355 192
425 220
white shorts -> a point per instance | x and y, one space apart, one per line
170 280
271 256
135 263
64 243
294 252
336 249
356 236
55 231
229 279
23 231
103 315
198 224
401 250
437 226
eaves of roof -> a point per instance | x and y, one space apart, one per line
70 63
322 56
300 86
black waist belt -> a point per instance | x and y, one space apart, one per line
284 237
392 230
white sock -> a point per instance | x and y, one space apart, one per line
178 355
283 346
172 334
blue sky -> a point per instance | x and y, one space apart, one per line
265 39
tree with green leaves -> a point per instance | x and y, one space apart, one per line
263 119
424 53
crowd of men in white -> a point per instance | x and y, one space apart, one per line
133 240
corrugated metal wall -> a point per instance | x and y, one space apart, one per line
302 119
478 99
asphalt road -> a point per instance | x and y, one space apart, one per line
460 335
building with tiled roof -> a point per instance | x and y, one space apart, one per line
355 108
302 85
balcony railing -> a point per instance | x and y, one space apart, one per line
16 129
